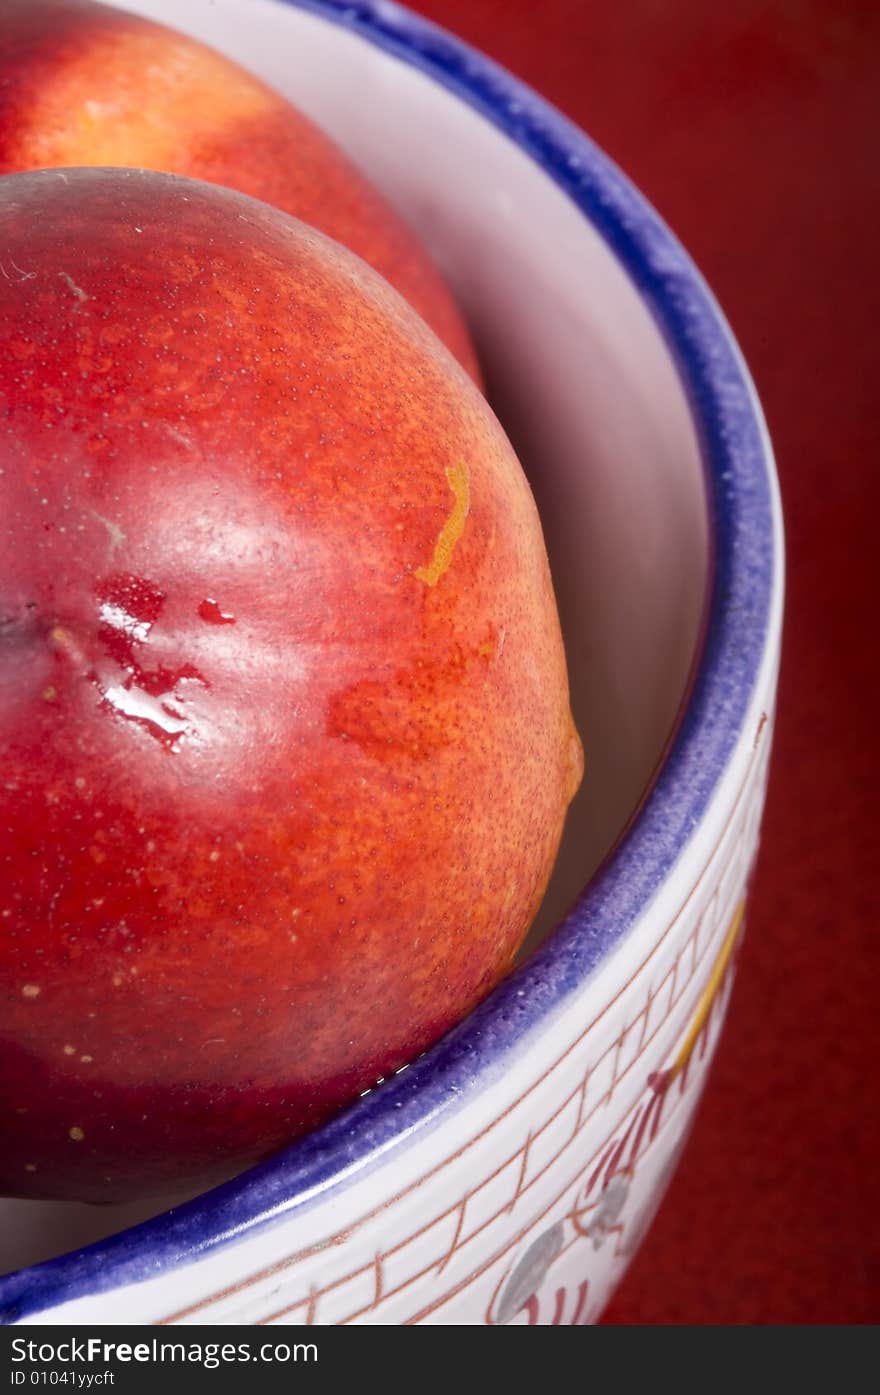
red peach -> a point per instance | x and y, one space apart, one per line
83 83
286 741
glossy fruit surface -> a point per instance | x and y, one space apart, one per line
86 84
286 743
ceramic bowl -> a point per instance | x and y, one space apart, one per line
508 1174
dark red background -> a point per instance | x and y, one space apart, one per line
753 127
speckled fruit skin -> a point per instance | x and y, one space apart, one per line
87 84
284 725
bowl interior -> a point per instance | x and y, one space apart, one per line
585 386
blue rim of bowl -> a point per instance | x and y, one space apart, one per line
741 486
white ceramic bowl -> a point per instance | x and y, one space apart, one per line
508 1174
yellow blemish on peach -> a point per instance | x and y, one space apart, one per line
64 640
31 990
87 1060
30 1167
76 1133
459 483
69 1050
